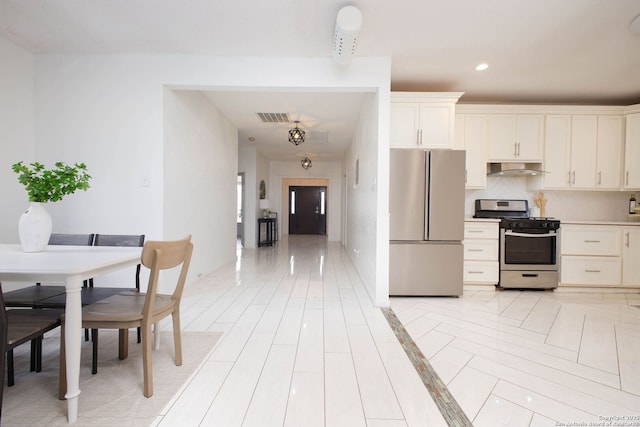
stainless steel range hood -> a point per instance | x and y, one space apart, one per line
514 169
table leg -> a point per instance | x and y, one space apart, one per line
73 326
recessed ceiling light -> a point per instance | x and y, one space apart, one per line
482 67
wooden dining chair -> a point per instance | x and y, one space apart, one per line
91 294
135 309
30 295
25 325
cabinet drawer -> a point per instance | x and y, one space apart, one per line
479 249
606 241
481 230
591 271
481 272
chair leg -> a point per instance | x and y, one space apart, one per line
86 335
139 336
94 355
10 379
34 352
177 338
146 360
39 353
123 344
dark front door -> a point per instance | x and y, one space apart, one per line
308 210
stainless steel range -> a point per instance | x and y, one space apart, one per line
529 247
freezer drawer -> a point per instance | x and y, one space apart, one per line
425 268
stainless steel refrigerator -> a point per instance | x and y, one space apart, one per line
426 204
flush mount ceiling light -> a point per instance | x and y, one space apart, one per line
345 39
306 163
482 67
296 135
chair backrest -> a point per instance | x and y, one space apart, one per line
71 239
165 255
132 240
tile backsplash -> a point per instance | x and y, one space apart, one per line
563 204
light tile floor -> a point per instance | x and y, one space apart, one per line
303 346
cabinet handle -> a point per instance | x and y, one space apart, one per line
518 144
592 271
573 177
476 250
569 177
418 137
626 237
466 176
515 149
627 178
474 272
475 231
600 178
592 241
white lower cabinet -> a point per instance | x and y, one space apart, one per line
587 270
481 264
631 256
600 255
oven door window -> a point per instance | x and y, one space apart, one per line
532 250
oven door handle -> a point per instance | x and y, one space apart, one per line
511 233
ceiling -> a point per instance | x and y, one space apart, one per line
538 51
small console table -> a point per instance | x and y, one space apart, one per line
270 236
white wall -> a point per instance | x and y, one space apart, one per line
367 239
17 139
562 204
247 163
200 169
331 171
107 111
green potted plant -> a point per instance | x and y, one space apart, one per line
43 186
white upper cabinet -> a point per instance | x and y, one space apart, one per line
609 152
632 153
515 137
583 151
423 119
471 135
557 149
584 130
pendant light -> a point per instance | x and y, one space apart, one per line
296 135
306 163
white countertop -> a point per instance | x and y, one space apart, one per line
469 219
632 223
587 222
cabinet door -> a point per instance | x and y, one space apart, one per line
529 137
471 135
515 137
404 125
502 137
436 125
609 152
557 149
632 153
583 151
631 257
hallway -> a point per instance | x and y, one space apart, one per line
304 346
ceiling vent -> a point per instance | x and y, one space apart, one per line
274 117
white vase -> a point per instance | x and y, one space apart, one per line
34 228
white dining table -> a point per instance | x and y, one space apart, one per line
69 265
